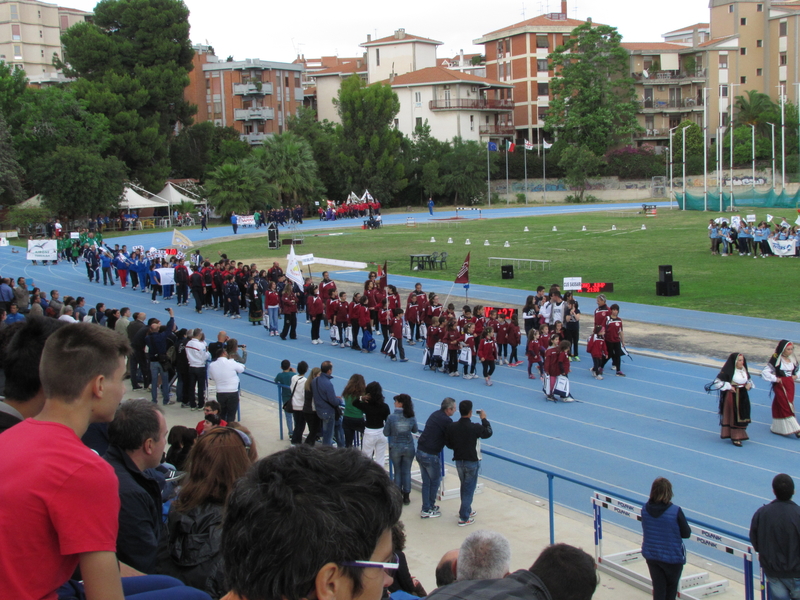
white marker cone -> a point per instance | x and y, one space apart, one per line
449 240
584 228
467 243
613 228
486 243
554 228
526 229
506 245
433 240
643 227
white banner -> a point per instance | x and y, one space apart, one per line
572 283
167 276
338 263
782 247
751 218
736 220
42 250
293 268
245 220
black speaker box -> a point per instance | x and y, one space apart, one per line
671 288
665 273
507 271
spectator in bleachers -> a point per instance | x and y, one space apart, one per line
180 440
298 490
447 567
484 554
224 371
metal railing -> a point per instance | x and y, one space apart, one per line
470 104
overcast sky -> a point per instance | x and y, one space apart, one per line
280 30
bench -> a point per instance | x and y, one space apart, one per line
650 210
520 261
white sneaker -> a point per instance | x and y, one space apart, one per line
598 376
154 301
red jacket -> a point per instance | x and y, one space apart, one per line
556 362
533 351
342 310
271 299
384 316
393 301
614 330
432 311
452 338
493 323
469 340
396 327
502 332
288 304
600 315
434 335
487 349
513 336
314 306
412 313
353 310
363 316
325 289
597 347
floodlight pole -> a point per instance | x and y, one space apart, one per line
705 148
753 154
783 138
671 161
730 126
683 141
719 169
773 154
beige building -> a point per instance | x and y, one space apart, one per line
398 54
30 36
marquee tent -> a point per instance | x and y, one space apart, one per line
130 200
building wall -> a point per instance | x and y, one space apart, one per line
327 90
399 59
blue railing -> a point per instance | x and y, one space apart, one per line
279 401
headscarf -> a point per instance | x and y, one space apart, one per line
727 371
775 359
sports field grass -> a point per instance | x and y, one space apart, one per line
628 257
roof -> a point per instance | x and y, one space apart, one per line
434 75
715 41
400 37
542 21
652 46
689 28
345 69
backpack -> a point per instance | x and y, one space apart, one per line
368 342
207 276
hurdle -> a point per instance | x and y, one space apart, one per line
458 208
693 587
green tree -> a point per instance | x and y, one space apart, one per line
593 102
238 187
324 141
75 182
464 171
287 163
13 86
11 173
368 143
423 156
25 219
132 63
579 164
201 148
756 109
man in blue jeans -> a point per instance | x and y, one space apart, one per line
775 534
462 437
327 404
429 446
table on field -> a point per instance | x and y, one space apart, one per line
421 260
520 261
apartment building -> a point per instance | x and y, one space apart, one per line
328 82
31 37
517 54
466 63
254 96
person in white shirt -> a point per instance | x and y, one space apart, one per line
224 372
298 389
67 316
197 356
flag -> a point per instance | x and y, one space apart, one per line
293 271
180 240
383 277
492 147
510 146
769 218
528 145
545 145
463 273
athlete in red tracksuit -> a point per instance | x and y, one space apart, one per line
597 348
314 310
556 362
396 328
487 354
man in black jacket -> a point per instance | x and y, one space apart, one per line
137 436
775 534
462 437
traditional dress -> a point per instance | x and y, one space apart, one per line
734 400
256 313
780 372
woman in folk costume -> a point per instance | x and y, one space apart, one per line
780 372
733 383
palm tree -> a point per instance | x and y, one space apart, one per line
757 109
238 187
288 163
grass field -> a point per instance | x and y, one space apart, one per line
628 257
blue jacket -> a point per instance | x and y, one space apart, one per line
432 439
663 526
399 429
105 260
325 399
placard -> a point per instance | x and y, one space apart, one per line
571 283
74 235
751 218
736 221
42 250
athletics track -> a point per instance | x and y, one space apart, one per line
621 434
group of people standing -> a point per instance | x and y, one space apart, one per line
734 384
749 239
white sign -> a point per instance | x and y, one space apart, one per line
74 235
306 259
782 247
736 220
340 263
3 241
572 283
42 250
167 276
751 218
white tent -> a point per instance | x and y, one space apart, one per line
131 199
173 196
32 202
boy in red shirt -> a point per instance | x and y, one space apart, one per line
396 328
597 348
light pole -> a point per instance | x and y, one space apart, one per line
783 138
705 148
720 164
773 154
683 141
671 196
730 126
753 155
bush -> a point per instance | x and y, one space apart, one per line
634 163
521 198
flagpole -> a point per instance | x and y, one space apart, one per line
444 304
508 191
544 174
526 171
488 183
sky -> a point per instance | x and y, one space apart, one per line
279 30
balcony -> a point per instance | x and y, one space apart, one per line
652 106
652 134
254 139
246 89
670 77
469 104
262 113
499 130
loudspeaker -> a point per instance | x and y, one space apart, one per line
668 288
272 236
507 271
665 273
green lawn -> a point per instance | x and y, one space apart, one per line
628 257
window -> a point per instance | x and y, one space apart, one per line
541 111
723 119
377 57
544 89
759 72
759 8
40 14
41 35
15 32
541 41
64 22
208 109
14 13
418 97
743 51
743 21
743 80
723 91
542 65
286 81
759 43
723 61
472 122
18 52
783 28
419 122
782 59
649 122
730 8
500 48
43 53
396 123
218 108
